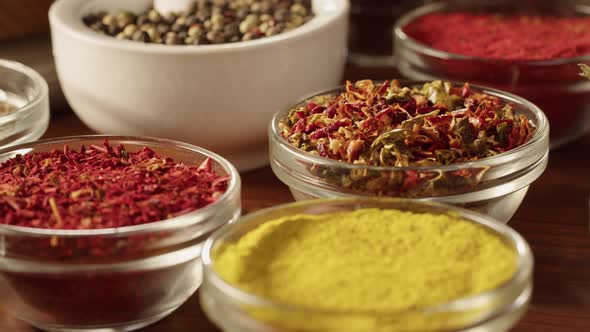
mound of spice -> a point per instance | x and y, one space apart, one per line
102 187
390 125
209 22
585 70
366 261
6 108
505 37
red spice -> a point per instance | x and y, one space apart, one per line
493 36
102 187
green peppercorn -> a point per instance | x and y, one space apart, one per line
217 21
249 23
298 9
129 30
154 16
195 30
108 20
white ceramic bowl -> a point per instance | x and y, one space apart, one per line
220 97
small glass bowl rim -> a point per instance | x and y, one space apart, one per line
542 131
31 106
190 218
440 6
522 274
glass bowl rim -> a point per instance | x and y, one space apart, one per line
181 221
435 7
522 274
31 105
541 133
59 9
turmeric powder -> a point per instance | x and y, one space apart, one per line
367 261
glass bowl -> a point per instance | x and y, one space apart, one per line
553 85
232 309
116 279
494 186
24 89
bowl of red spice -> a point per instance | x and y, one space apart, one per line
455 143
211 76
529 50
105 232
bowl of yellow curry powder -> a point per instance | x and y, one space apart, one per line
366 264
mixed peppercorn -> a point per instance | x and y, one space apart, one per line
102 187
390 125
209 22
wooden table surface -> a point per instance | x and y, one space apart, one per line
553 218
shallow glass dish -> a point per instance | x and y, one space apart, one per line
495 186
117 279
553 85
25 90
232 309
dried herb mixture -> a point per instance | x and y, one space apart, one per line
102 187
389 125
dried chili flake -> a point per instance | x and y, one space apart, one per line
102 187
389 125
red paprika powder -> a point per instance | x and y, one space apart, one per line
506 37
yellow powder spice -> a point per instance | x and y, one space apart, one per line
367 261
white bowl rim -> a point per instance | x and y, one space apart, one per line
61 16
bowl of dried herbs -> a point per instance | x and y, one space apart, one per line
466 145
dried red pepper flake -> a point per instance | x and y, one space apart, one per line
503 37
390 125
102 187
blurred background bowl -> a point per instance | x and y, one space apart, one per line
220 97
24 93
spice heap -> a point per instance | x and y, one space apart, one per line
102 187
366 261
6 108
209 22
506 37
585 70
390 125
